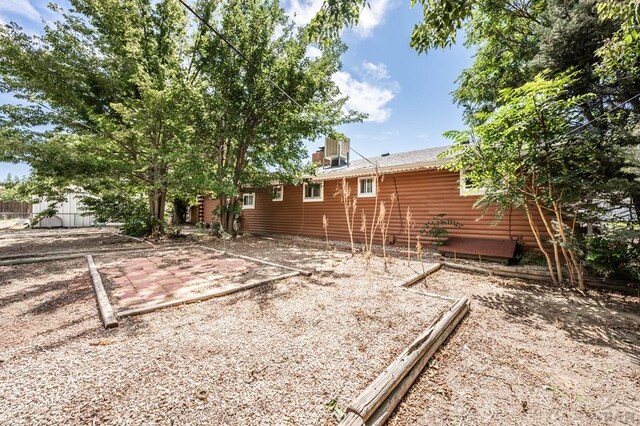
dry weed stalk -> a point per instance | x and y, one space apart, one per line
350 204
325 225
353 222
377 177
380 223
363 228
410 223
419 252
384 225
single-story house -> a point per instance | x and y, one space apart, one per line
419 183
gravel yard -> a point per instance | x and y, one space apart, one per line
277 354
280 353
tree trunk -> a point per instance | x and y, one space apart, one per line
227 214
157 203
554 241
536 234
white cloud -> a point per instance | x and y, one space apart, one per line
313 52
371 16
303 11
18 7
423 136
375 71
371 92
365 96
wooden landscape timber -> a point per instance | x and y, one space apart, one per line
41 259
64 252
376 403
140 240
28 234
427 294
50 257
264 262
219 292
106 310
621 286
421 276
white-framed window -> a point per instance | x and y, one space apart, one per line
467 187
313 191
277 193
249 200
367 187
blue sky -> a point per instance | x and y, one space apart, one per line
407 96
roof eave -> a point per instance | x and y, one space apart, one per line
385 170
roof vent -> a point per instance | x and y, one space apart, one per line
386 154
337 150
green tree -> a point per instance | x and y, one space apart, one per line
528 155
596 42
254 112
441 21
138 102
102 91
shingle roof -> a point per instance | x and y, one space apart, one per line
392 163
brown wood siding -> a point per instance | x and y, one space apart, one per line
210 204
427 192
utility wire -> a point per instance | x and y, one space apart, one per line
620 105
252 65
284 92
238 52
365 158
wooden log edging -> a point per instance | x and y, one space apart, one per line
76 255
106 310
590 282
411 281
234 288
264 262
376 403
29 234
434 295
466 268
140 240
74 252
41 259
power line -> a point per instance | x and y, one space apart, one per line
252 65
620 105
365 158
238 52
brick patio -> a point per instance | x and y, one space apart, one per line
170 276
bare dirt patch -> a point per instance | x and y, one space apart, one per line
276 354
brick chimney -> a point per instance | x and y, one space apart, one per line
318 157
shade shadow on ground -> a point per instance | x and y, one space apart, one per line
587 320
